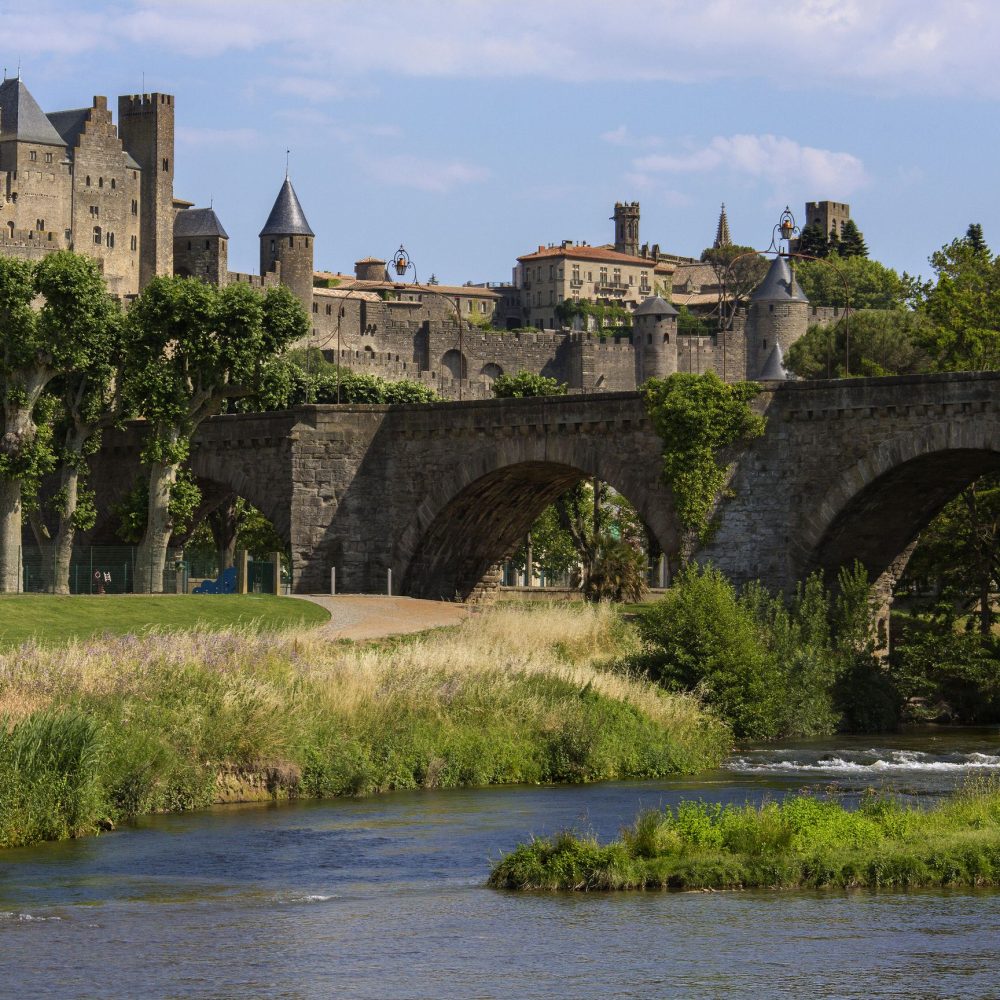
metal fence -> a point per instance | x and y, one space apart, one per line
111 569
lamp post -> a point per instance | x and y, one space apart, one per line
401 263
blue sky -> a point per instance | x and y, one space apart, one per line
474 130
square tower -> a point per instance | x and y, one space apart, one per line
146 127
827 215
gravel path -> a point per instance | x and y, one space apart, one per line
357 616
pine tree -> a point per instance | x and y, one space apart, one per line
974 237
852 241
833 240
812 241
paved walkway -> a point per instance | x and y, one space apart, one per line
362 616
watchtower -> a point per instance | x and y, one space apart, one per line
626 220
286 245
654 337
146 128
201 246
779 314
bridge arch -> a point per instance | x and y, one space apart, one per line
467 524
878 507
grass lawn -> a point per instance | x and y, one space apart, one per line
54 620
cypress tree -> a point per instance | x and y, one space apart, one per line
812 241
833 240
974 237
852 241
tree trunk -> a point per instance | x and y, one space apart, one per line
151 554
44 542
10 536
224 524
66 534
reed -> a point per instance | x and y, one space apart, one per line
512 695
802 842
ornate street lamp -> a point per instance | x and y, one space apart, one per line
401 263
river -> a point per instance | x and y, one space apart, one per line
384 898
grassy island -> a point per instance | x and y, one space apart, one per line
802 842
101 730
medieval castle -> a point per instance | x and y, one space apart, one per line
72 180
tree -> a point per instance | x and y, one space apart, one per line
38 345
852 242
196 346
974 237
963 307
833 240
812 241
881 342
738 271
525 384
871 285
959 553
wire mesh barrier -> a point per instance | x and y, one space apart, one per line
112 569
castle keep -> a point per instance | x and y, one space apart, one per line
72 180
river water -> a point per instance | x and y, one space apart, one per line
384 898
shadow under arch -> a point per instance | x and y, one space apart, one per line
878 509
471 528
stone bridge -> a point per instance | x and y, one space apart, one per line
438 493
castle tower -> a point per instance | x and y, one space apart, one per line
779 314
201 246
626 220
286 245
722 237
146 128
654 328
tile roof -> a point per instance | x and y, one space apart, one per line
287 217
588 253
198 222
21 118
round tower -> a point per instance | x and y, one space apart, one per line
654 336
778 316
286 245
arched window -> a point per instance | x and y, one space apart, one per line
113 185
88 180
100 182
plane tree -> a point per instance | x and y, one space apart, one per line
195 347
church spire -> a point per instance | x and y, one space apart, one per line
722 237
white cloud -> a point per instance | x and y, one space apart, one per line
777 159
404 170
877 46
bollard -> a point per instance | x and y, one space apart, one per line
333 581
389 584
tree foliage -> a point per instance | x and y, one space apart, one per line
880 342
871 285
738 271
697 418
852 241
525 384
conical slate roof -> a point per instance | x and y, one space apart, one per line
287 217
21 118
199 222
774 367
779 285
654 306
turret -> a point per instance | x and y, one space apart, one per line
286 245
779 314
201 246
654 336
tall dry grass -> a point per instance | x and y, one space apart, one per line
511 695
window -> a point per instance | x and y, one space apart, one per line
95 211
208 245
100 182
48 157
189 244
111 241
166 164
97 235
40 225
113 185
135 207
135 243
315 307
272 246
291 241
88 180
32 155
329 310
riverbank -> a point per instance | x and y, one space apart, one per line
101 731
801 842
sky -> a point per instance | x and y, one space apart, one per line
474 130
